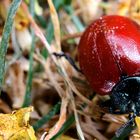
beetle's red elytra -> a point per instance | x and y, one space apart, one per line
108 49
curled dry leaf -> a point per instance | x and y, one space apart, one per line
15 126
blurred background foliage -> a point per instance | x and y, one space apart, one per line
31 76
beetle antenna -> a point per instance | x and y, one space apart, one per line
70 60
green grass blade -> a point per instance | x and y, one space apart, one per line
58 4
6 34
41 21
47 117
68 2
49 31
27 99
75 19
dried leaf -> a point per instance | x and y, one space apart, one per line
15 126
137 120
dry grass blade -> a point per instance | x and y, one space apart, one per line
93 131
119 119
71 36
61 120
79 130
46 65
56 24
71 84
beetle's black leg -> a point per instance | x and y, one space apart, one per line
123 127
70 60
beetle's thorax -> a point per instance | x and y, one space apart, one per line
125 95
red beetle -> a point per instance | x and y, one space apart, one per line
109 57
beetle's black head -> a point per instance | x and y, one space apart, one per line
125 96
